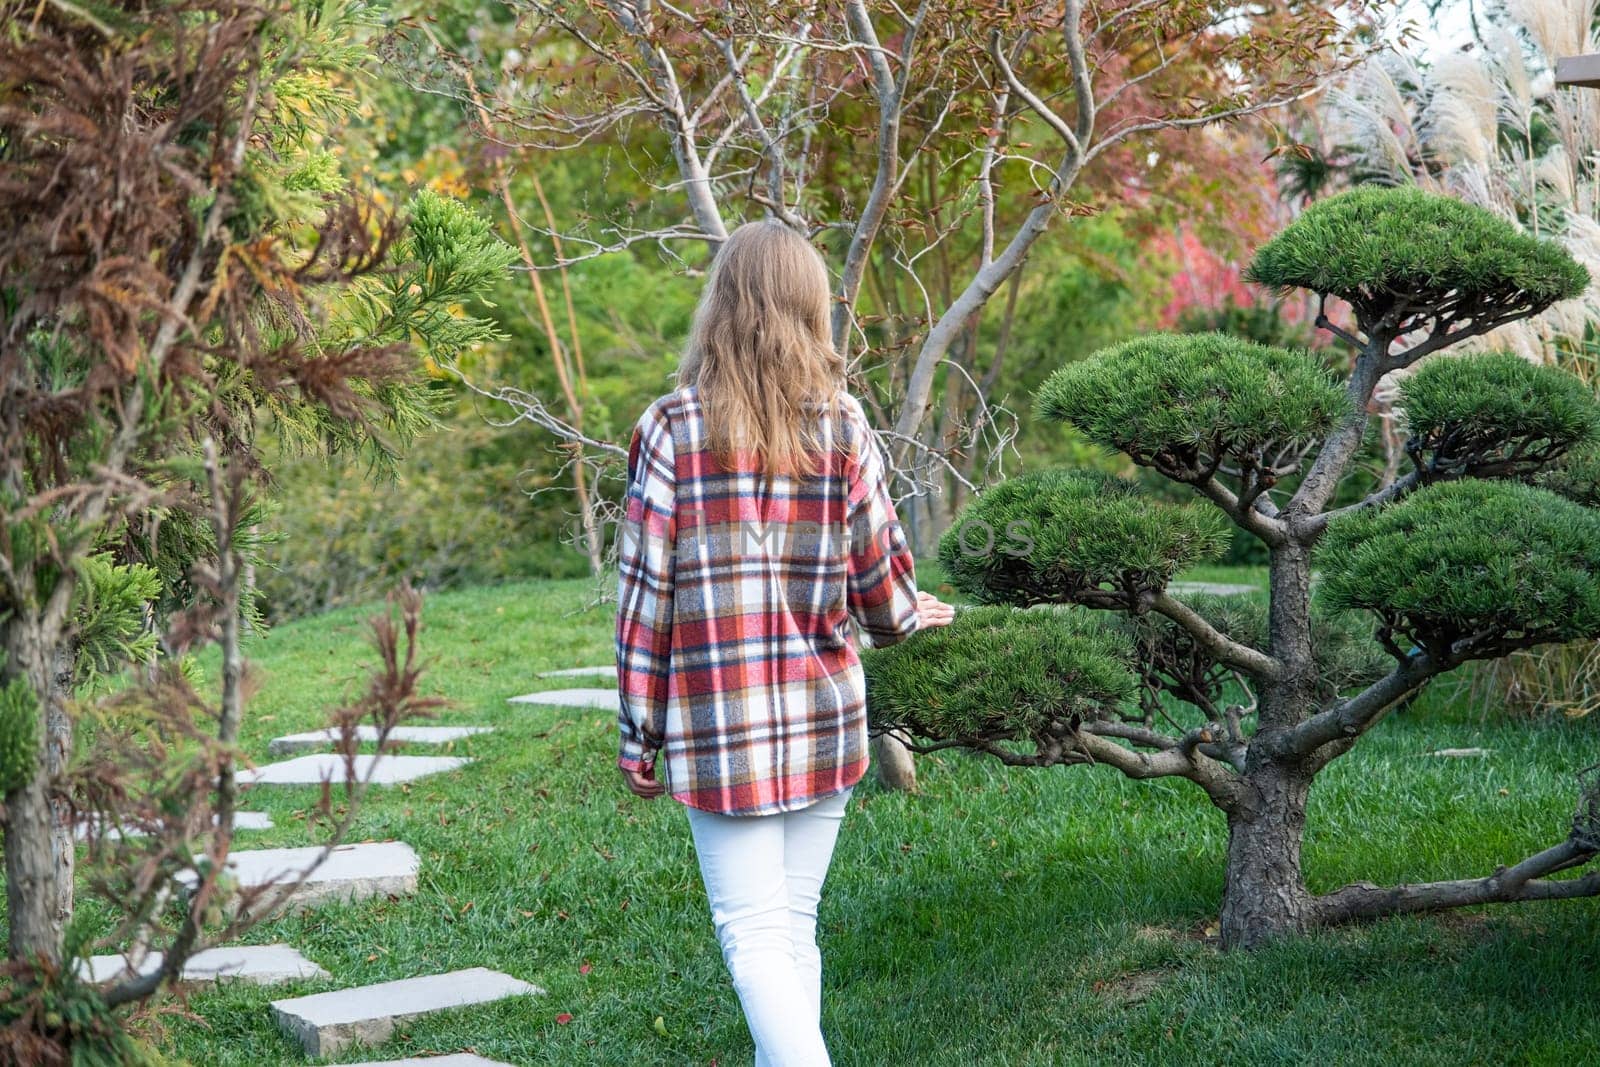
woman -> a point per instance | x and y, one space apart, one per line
758 527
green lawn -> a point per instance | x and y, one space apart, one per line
1000 917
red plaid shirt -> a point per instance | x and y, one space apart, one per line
736 594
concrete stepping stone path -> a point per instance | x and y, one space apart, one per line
1213 588
330 766
407 735
325 1023
609 670
350 872
606 699
242 820
256 964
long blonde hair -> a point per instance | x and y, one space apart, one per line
760 352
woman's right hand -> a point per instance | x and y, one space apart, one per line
931 611
644 783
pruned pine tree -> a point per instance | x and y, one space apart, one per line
1490 544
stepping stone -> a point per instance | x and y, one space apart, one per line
330 766
1461 753
454 1059
409 735
256 964
351 872
574 698
242 820
1213 588
609 670
327 1022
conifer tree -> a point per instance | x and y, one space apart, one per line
1490 544
184 267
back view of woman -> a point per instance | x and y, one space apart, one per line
759 531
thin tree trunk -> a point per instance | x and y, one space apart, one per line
896 768
30 866
30 874
592 540
58 748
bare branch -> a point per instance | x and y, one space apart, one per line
1182 761
889 93
1252 661
1527 880
1353 717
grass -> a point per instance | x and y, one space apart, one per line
1002 916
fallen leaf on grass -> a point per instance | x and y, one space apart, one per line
564 1018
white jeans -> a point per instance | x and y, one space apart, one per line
763 876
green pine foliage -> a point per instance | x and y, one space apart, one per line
1072 537
19 734
1577 476
1495 412
1480 563
1371 245
111 601
449 259
46 1011
1347 655
455 258
997 673
1182 402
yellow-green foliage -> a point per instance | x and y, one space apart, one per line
19 734
111 601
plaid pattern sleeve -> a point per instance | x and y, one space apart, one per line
883 581
644 591
738 606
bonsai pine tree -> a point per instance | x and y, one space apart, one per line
1490 544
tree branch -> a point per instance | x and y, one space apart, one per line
1393 491
1353 717
1225 649
889 93
702 200
990 276
1525 881
1181 761
1250 516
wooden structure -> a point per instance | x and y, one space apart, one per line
1579 70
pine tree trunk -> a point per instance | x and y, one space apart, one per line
30 861
896 767
30 874
1264 895
58 748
